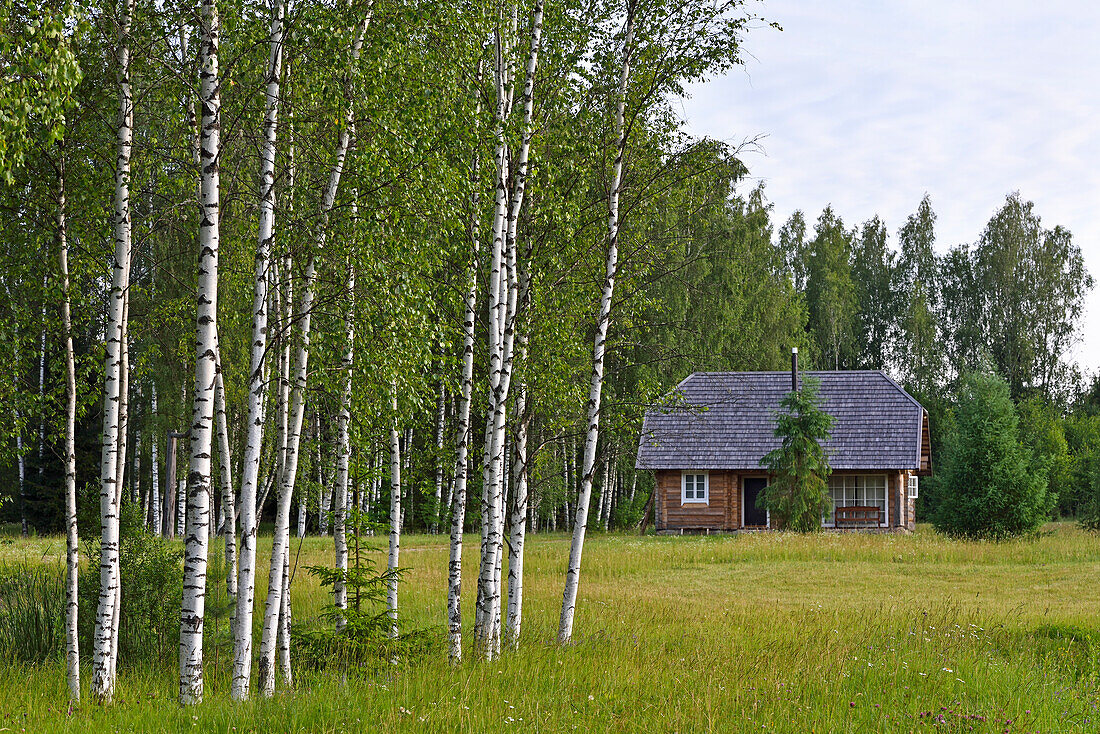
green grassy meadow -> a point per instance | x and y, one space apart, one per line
750 633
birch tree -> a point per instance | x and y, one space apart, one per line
343 454
196 544
250 466
281 540
72 541
572 578
462 452
106 626
395 514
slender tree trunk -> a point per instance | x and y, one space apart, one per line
440 419
573 574
284 625
155 498
395 514
518 520
72 541
343 458
462 449
197 545
21 459
229 504
106 628
503 313
297 404
257 382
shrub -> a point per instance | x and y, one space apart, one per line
152 587
32 605
990 488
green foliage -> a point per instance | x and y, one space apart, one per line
365 641
831 296
1043 433
627 515
152 587
798 493
31 608
991 488
39 72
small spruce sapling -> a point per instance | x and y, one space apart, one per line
797 495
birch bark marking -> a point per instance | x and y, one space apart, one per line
395 514
286 479
155 496
281 541
72 542
103 673
572 577
343 456
462 451
518 519
482 616
440 417
196 544
225 470
506 326
253 451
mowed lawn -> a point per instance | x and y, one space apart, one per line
752 633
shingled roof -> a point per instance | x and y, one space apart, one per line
726 420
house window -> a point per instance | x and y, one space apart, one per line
694 488
856 490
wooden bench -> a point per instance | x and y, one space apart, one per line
857 515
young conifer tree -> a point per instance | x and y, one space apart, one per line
798 492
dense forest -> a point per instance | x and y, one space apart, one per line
431 263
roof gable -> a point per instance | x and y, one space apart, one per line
726 420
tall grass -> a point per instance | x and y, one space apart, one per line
850 633
31 608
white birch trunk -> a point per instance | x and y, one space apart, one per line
297 405
21 460
284 625
72 541
503 323
343 458
257 382
225 470
199 495
103 643
572 578
518 520
302 513
440 419
155 498
286 477
462 450
395 514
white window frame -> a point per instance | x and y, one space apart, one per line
683 488
914 487
831 521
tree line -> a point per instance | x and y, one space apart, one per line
296 264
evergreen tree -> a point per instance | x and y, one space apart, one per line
798 493
990 487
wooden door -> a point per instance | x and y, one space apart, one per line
751 515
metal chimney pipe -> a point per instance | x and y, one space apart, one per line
794 369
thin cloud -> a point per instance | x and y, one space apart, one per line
868 105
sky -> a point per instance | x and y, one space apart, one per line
870 105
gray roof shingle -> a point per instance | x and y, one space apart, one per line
726 420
